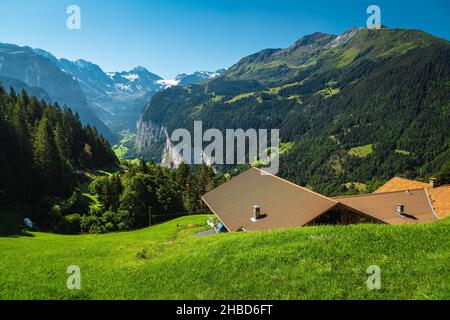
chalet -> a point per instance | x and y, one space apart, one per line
438 196
256 200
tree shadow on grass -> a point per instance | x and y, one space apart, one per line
10 227
14 232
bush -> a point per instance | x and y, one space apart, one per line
122 220
142 254
91 224
98 186
47 214
74 204
70 224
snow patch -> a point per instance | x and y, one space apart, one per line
123 87
111 75
214 75
131 77
168 83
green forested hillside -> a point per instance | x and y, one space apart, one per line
50 171
41 148
358 108
125 200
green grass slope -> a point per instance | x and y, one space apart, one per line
168 262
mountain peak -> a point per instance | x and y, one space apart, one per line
345 37
184 79
316 39
84 64
45 54
140 69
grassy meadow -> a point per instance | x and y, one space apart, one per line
169 262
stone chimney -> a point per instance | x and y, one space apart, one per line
400 209
256 213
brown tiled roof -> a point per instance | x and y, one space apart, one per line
440 199
383 206
285 204
400 184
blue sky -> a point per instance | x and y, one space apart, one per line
174 36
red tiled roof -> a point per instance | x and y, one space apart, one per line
400 184
439 197
440 200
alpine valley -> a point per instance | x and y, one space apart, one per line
97 202
110 101
353 109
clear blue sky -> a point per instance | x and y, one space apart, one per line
173 36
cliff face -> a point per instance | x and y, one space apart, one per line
154 137
170 158
149 133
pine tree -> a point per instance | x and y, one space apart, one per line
115 189
86 157
143 166
205 183
61 143
191 199
136 199
23 153
182 175
444 173
46 159
34 111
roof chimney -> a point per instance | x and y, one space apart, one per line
256 213
401 212
433 182
401 209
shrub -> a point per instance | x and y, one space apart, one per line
91 224
70 224
142 254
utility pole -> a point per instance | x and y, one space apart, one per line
149 216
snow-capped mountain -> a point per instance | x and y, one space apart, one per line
89 75
198 77
184 79
138 80
40 73
95 81
115 95
168 83
111 93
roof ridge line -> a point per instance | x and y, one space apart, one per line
445 186
296 185
397 177
378 193
430 202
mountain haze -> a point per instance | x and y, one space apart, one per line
111 94
118 97
38 71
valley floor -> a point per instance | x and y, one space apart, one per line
169 262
